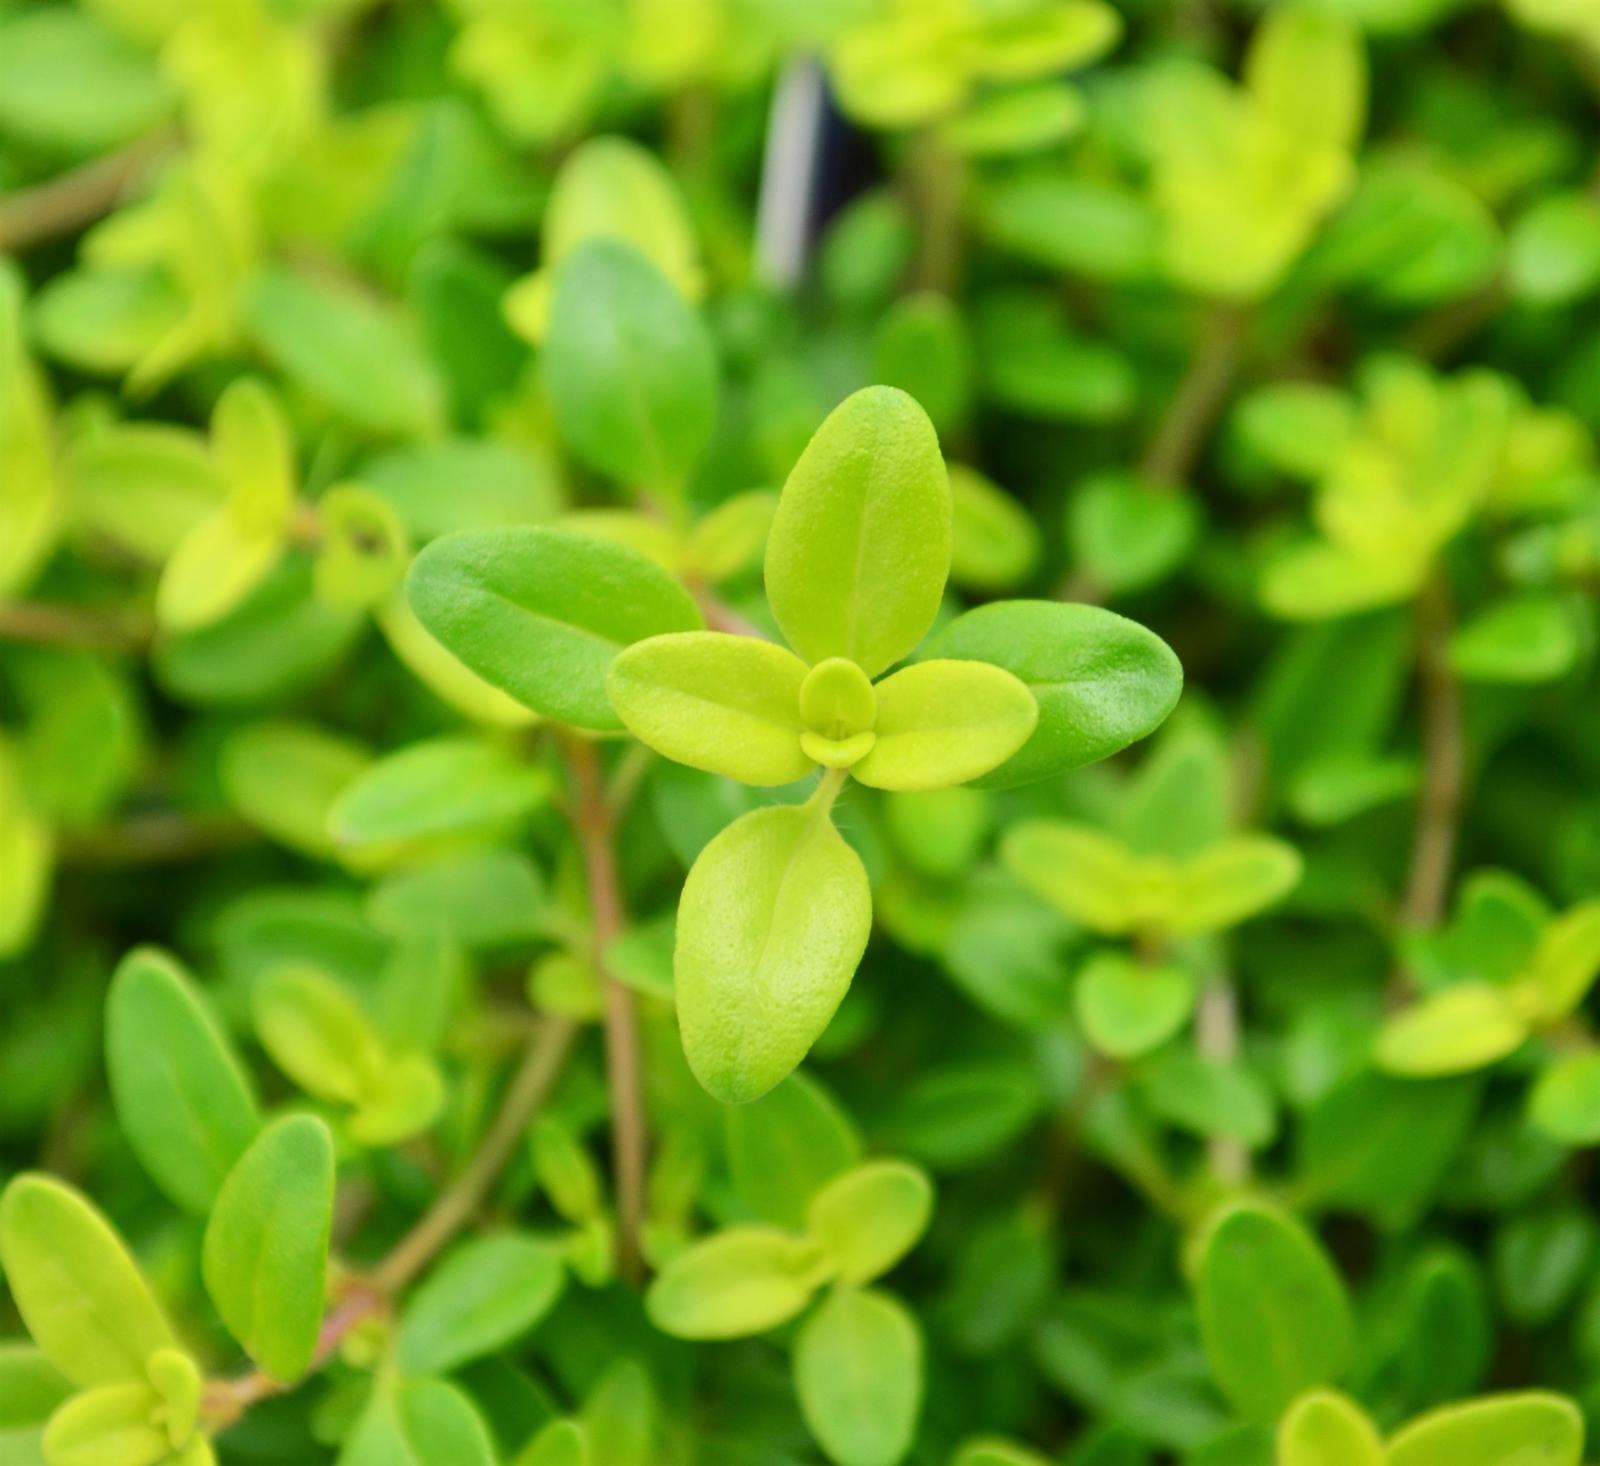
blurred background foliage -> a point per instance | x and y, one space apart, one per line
1272 326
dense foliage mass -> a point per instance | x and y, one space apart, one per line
752 732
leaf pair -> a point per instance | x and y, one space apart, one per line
95 1320
1108 888
1474 1023
858 1357
228 553
749 1279
856 564
320 1037
1327 1429
752 711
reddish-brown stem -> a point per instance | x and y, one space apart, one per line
41 623
65 204
368 1297
1443 763
592 818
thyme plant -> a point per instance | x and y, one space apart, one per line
747 734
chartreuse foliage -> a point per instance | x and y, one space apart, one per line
538 537
776 911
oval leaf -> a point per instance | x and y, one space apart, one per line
265 1256
726 704
482 1296
1535 1427
942 723
629 367
540 613
773 920
1100 680
76 1287
742 1281
860 547
181 1095
1274 1318
858 1372
866 1220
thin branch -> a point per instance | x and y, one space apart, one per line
593 822
370 1297
1180 437
43 623
66 204
535 1077
165 837
1216 1032
1443 763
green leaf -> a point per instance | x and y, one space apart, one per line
357 356
560 1443
1499 1430
994 1452
364 550
31 1388
745 1280
920 347
465 483
1209 1097
423 1422
69 84
1081 871
866 1220
1523 639
610 188
213 569
181 1095
111 1425
994 543
284 777
277 643
1563 965
732 538
1274 1318
945 722
1127 1008
629 368
1101 681
1128 535
726 704
486 1293
772 923
482 899
316 1033
1380 1146
786 1146
620 1416
1565 1102
1018 120
78 1291
1554 249
454 683
1327 1429
963 1113
860 547
265 1256
143 486
1306 71
540 613
1233 881
1460 1028
566 1172
1295 427
402 1099
858 1371
433 790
